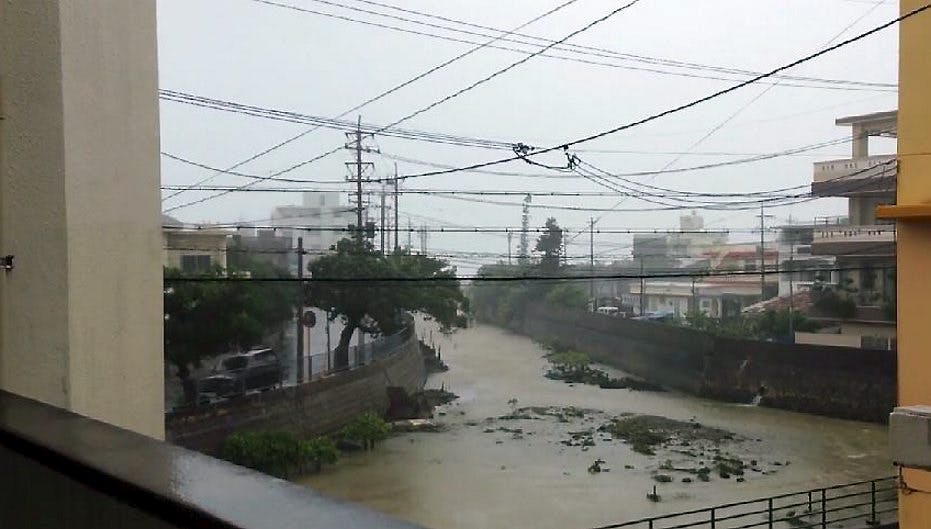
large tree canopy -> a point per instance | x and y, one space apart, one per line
550 244
204 319
371 291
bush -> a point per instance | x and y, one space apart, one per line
320 450
366 430
278 454
832 303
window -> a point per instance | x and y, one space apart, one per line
706 303
195 263
234 362
266 358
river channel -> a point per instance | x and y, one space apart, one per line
483 472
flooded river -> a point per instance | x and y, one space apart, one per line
485 472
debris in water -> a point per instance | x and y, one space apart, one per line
417 425
653 496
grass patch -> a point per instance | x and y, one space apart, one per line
646 432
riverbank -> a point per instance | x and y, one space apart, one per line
467 477
841 382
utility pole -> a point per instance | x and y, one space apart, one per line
397 243
763 254
354 142
591 260
299 374
423 239
523 252
642 293
510 236
382 231
410 235
791 288
693 305
359 224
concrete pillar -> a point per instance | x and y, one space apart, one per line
861 142
81 313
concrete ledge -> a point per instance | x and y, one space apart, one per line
110 477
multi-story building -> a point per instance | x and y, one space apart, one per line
191 249
798 267
712 296
657 251
863 248
324 216
260 245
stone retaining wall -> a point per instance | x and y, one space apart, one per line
314 408
833 381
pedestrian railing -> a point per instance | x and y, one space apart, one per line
870 503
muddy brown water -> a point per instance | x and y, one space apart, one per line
465 478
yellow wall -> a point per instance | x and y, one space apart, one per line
914 238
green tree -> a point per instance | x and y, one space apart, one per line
207 318
551 245
567 296
372 292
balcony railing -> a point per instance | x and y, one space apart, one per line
879 233
867 503
868 240
859 168
64 470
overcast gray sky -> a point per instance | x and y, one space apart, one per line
258 54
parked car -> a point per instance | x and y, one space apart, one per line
257 369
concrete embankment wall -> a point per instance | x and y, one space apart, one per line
315 408
838 382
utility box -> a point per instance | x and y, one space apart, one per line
910 436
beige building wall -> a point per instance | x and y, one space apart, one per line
838 340
81 313
176 244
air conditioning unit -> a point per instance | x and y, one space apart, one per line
910 436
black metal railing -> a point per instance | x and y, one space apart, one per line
870 503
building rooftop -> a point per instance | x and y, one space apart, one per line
865 119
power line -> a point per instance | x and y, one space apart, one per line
514 64
430 192
450 229
700 167
359 106
685 106
518 278
576 50
481 81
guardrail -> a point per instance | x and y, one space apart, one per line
873 503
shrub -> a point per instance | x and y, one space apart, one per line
278 454
320 450
366 430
